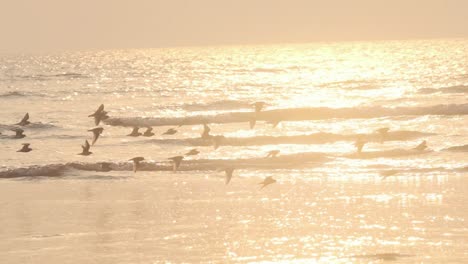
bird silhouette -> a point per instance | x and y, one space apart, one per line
136 163
25 148
148 132
96 132
85 148
135 132
24 121
267 181
176 162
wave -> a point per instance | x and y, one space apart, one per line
217 105
41 77
450 89
315 138
386 154
285 161
13 94
38 125
292 114
463 148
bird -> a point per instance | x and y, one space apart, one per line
387 173
228 172
25 148
273 153
99 115
217 141
267 181
359 144
148 132
170 131
135 132
383 132
258 106
274 123
98 111
192 152
136 163
206 132
252 122
19 133
24 121
85 148
96 132
422 146
176 160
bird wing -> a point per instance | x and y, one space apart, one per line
229 175
252 123
25 118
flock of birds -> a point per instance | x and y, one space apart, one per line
100 114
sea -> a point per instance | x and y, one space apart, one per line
392 202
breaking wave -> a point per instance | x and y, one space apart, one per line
450 89
292 114
315 138
43 77
217 105
463 148
285 161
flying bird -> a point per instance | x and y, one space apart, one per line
422 146
170 131
192 152
136 163
85 148
228 172
252 122
176 162
217 140
25 148
99 115
274 123
19 133
387 173
96 132
98 111
273 153
148 132
24 121
359 144
267 181
258 106
383 132
135 132
206 132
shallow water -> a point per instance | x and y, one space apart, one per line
333 210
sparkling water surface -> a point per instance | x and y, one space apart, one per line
336 211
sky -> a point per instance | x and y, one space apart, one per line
45 25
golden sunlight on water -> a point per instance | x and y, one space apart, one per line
329 204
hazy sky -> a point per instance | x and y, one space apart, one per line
35 25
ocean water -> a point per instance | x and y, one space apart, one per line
330 204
